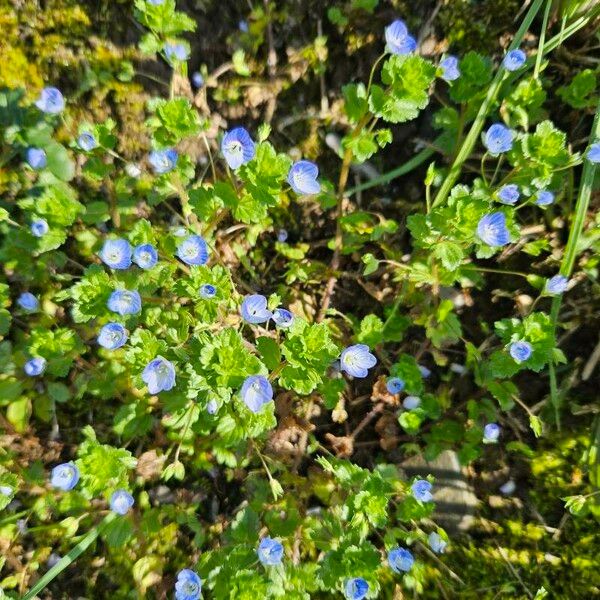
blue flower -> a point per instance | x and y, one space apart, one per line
237 147
492 229
491 433
593 154
425 372
51 101
254 309
159 375
163 161
27 301
64 476
520 351
121 501
283 317
212 407
256 392
398 40
36 158
112 336
557 285
35 366
133 170
193 251
436 542
421 490
197 80
125 302
302 177
356 588
188 585
394 385
450 70
243 26
86 141
514 60
208 291
270 552
116 254
39 228
498 139
145 256
411 402
544 198
356 360
6 490
509 194
282 236
155 2
175 52
400 560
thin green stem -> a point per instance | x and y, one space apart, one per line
540 52
66 560
568 261
473 135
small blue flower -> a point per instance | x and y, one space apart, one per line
145 256
112 336
509 194
394 385
175 52
159 375
212 407
436 542
121 501
254 309
51 101
197 80
6 490
421 490
188 585
243 26
193 250
498 139
237 147
36 158
411 402
520 351
450 70
270 552
86 141
400 560
514 60
125 302
256 392
398 40
133 170
208 291
425 372
282 236
356 588
356 360
163 161
491 433
155 2
544 198
39 228
557 285
303 177
283 317
492 229
116 254
35 366
593 154
27 301
64 476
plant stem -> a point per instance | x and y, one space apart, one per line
65 561
540 52
568 261
473 135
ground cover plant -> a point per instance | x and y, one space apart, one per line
258 260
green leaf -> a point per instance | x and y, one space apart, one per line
269 350
450 253
579 93
356 104
59 162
